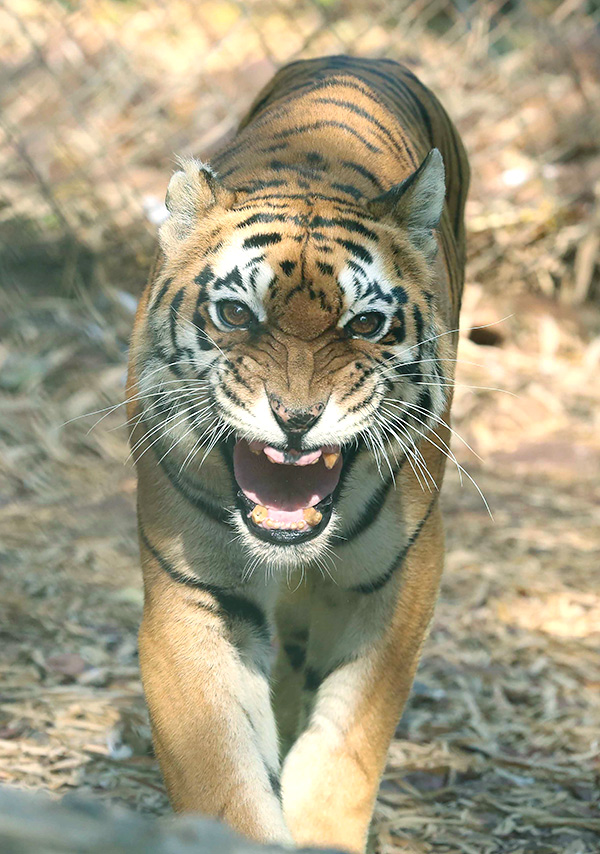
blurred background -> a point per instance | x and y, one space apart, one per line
498 750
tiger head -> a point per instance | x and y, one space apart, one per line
289 333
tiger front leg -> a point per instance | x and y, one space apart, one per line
204 660
331 776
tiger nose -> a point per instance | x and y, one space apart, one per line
295 420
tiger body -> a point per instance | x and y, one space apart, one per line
260 384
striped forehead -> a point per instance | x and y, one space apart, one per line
336 263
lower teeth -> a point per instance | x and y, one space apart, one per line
260 516
312 516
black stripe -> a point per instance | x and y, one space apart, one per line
421 107
382 580
372 508
394 84
258 240
315 678
231 606
277 146
349 189
395 89
232 396
350 458
275 784
210 508
360 111
324 268
170 361
296 655
312 679
261 184
340 202
204 277
343 222
261 217
174 309
283 134
360 404
159 297
366 373
460 180
356 249
297 168
362 170
321 80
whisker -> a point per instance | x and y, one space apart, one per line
412 453
404 425
442 382
162 424
135 398
453 459
107 409
181 438
297 587
435 418
453 331
198 443
200 331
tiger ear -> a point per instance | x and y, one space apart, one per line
416 203
192 190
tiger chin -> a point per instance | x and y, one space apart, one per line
289 392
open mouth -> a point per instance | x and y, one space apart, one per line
286 497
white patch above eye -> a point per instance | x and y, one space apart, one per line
239 276
362 293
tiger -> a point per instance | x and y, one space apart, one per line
290 380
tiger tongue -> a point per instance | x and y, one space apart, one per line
282 487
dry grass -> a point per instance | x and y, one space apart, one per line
498 749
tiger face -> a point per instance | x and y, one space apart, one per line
287 336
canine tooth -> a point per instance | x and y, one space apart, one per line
259 514
257 451
312 516
331 459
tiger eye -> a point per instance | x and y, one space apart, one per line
234 314
366 324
